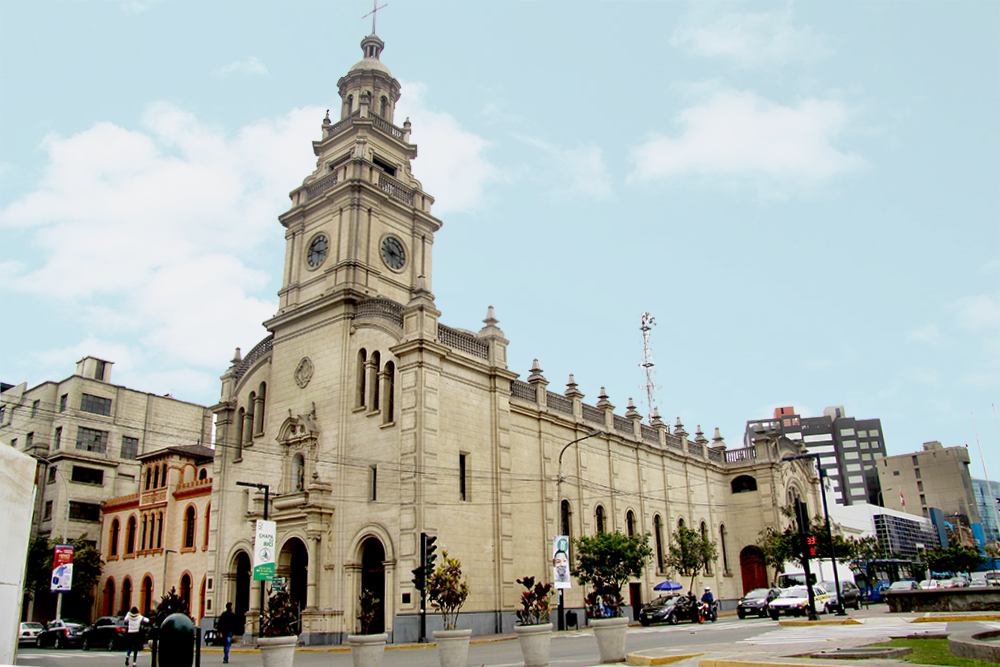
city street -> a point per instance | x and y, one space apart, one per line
729 636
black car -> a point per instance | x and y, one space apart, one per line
668 610
755 602
106 632
61 634
852 594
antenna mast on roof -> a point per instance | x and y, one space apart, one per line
648 322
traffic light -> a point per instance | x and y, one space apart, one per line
419 581
428 551
810 547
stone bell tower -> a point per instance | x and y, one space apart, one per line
360 226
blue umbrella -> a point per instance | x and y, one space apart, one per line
667 586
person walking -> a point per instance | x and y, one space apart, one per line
226 626
133 635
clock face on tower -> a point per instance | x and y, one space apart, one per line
393 253
317 251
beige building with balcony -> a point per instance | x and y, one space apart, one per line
157 539
372 422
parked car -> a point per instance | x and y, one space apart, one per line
670 610
993 578
794 601
852 594
904 585
874 594
929 584
61 634
106 632
978 579
755 602
27 633
956 582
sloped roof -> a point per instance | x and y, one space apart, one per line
198 452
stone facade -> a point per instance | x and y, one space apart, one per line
371 422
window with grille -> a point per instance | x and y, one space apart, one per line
87 476
84 511
62 402
58 437
97 405
91 440
34 408
48 511
52 474
130 447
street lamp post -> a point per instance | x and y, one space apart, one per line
558 515
267 491
829 530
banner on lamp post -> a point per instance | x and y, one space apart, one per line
62 569
263 551
560 562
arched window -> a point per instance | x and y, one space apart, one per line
159 531
189 521
109 597
258 426
389 379
743 484
362 374
384 108
350 104
156 477
149 477
116 529
599 516
142 540
630 523
203 473
240 416
704 537
658 539
185 592
298 472
248 429
564 515
375 363
208 514
147 596
680 522
129 539
722 549
126 596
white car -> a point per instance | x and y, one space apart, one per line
794 601
27 633
930 584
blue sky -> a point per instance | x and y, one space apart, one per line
805 195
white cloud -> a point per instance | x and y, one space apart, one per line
145 234
978 313
750 39
250 66
137 6
578 172
452 166
928 333
739 137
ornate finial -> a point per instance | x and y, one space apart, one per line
699 437
571 388
602 400
630 411
236 357
491 319
717 441
406 123
679 429
655 418
536 373
326 121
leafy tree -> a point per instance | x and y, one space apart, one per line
784 546
956 558
534 602
87 567
281 618
609 561
447 590
171 603
689 552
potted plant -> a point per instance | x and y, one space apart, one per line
609 561
278 635
367 649
447 590
534 632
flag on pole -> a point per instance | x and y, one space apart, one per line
901 498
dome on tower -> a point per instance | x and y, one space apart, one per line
372 47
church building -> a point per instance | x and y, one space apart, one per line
370 421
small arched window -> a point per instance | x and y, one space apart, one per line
630 523
743 484
147 596
240 417
389 380
362 375
250 428
658 540
116 528
149 477
564 515
186 590
142 540
130 538
384 108
126 596
375 363
350 104
704 537
258 426
159 531
722 549
156 477
189 521
298 472
109 597
599 516
203 473
680 522
208 514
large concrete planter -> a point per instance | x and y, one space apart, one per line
610 635
453 647
277 651
367 650
535 641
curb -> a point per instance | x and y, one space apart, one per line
792 624
956 619
645 661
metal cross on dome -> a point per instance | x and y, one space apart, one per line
372 13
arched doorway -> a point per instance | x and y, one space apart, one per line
241 600
373 578
752 568
293 564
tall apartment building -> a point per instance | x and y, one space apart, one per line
936 477
988 501
848 448
87 434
